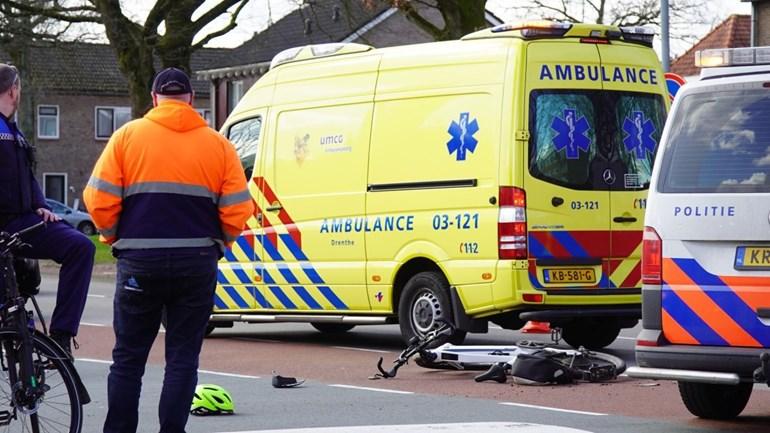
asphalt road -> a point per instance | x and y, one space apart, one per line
338 392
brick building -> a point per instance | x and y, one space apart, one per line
79 97
734 32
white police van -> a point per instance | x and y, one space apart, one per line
706 248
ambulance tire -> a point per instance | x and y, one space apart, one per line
591 334
423 304
332 328
713 401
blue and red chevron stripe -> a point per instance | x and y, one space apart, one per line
614 248
701 308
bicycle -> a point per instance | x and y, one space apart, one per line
40 389
500 360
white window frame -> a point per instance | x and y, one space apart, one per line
96 118
202 112
66 184
58 113
235 86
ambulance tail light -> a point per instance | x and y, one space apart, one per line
535 29
512 223
652 257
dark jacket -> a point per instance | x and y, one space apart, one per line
19 191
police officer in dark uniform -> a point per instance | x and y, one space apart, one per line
22 204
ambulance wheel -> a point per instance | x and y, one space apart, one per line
332 328
712 401
591 334
424 306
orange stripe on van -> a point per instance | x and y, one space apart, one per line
692 294
754 291
674 332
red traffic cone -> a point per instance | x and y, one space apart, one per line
536 328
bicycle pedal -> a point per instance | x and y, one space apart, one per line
5 417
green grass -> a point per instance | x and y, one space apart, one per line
103 251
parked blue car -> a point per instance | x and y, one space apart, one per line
75 218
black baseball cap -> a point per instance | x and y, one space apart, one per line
171 81
9 76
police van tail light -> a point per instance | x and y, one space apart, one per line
512 223
652 257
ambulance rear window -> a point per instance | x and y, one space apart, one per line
719 142
578 136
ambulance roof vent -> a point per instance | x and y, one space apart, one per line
316 51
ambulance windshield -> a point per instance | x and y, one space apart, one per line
579 136
719 142
245 136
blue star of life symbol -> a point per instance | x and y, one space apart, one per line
639 138
571 133
462 136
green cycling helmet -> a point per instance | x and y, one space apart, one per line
211 400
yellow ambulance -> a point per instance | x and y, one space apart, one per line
501 178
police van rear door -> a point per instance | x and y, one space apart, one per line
635 98
711 209
568 199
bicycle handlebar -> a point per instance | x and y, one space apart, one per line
12 241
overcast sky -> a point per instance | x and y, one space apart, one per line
259 13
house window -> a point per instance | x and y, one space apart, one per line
55 186
234 94
206 115
48 121
109 119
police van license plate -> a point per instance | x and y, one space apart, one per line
576 275
752 258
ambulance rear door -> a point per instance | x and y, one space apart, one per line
567 174
635 100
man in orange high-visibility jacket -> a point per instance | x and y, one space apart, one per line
169 194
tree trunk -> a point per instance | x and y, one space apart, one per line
134 54
462 17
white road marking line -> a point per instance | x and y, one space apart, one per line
100 325
627 338
580 412
477 427
364 388
493 326
96 296
98 361
259 340
219 373
361 349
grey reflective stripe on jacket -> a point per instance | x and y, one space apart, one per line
104 186
234 198
141 244
171 188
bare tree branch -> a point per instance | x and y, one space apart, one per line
215 12
223 31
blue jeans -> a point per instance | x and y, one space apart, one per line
183 285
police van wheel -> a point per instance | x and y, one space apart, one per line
332 328
424 306
712 401
591 334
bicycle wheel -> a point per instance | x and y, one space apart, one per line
59 409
